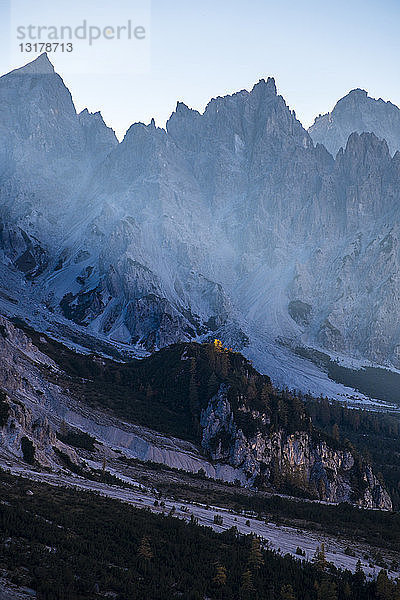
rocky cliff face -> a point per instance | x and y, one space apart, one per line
27 403
357 112
34 407
229 217
223 224
246 431
22 425
48 151
296 459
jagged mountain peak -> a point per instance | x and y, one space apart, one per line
365 154
39 66
85 113
244 114
183 116
38 108
215 105
99 138
238 194
47 151
85 116
33 93
268 86
357 112
362 96
237 121
367 140
261 91
183 111
141 129
181 107
357 94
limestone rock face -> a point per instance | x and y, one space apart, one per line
375 494
23 251
22 424
230 223
298 459
38 407
357 112
29 399
40 404
47 153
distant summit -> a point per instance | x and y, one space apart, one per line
357 112
40 66
229 223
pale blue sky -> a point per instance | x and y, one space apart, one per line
316 50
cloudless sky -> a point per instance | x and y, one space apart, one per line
316 50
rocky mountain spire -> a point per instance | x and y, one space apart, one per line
357 112
228 223
39 66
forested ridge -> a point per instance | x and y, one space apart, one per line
376 435
168 390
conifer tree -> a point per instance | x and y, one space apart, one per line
359 574
320 557
255 557
347 591
212 386
194 405
396 592
384 587
224 364
326 590
144 550
270 591
287 593
247 586
219 578
335 432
